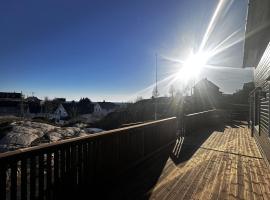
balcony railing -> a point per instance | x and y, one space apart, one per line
199 120
50 170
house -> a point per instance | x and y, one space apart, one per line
10 95
32 99
257 55
206 95
61 100
61 112
101 109
73 109
247 87
11 107
241 96
11 103
33 106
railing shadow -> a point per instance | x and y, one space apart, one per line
188 145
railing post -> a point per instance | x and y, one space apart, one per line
33 177
24 178
3 180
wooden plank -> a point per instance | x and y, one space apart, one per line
80 163
13 189
85 164
33 178
3 178
49 175
24 180
56 173
63 163
41 176
68 160
56 167
74 165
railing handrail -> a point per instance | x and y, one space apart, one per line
20 152
198 113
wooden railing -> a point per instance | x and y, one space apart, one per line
48 171
199 120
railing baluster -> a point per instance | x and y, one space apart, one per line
41 177
80 156
13 190
24 179
90 169
3 179
33 178
73 172
56 167
85 153
56 173
95 163
62 161
68 160
49 175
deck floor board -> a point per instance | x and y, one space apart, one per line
227 164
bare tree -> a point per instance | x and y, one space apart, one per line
46 104
139 98
172 91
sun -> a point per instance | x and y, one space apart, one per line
192 67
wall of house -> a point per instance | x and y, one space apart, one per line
257 31
97 109
261 74
60 112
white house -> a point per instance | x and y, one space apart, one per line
101 109
61 112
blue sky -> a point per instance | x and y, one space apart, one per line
106 49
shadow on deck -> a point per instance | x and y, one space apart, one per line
215 163
186 147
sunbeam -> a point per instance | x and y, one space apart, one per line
226 40
212 24
219 67
149 89
189 69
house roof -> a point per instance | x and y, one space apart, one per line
60 100
70 107
206 83
158 99
33 99
10 95
79 108
257 33
85 108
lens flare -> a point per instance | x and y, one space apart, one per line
192 66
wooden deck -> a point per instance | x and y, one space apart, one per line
222 163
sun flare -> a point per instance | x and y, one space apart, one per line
192 67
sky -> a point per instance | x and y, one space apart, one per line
105 50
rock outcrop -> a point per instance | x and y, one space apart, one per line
26 133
